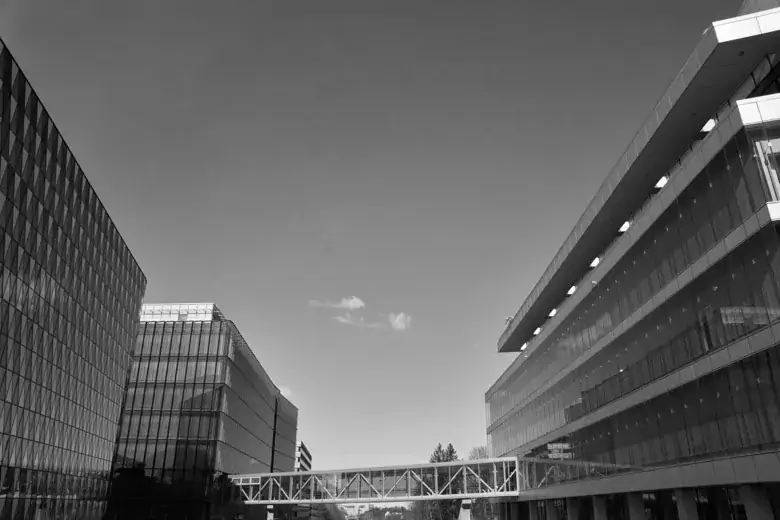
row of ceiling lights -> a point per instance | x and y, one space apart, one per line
596 261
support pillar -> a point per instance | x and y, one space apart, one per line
573 509
686 504
666 501
552 511
514 510
636 506
502 512
533 513
600 507
756 502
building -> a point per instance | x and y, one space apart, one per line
199 407
71 291
651 340
303 463
302 457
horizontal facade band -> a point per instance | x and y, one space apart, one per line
726 54
746 114
726 471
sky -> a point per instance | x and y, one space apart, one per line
367 189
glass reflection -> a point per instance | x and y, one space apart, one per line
199 407
736 183
69 297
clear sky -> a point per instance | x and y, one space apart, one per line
425 157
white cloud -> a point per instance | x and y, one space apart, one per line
357 321
285 391
400 321
351 303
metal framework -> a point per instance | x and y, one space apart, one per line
490 478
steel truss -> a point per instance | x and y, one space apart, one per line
491 478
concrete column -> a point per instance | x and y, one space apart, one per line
533 513
514 510
572 509
600 507
552 511
757 506
636 506
502 512
666 501
686 504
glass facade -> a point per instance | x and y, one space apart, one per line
740 180
69 305
671 355
199 407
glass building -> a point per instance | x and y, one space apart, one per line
652 340
302 457
69 301
199 407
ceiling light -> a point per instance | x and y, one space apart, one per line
595 262
571 290
537 331
624 227
525 346
553 313
662 182
709 125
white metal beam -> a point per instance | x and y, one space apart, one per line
491 478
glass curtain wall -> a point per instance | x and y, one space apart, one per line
734 410
285 435
736 297
70 292
166 447
199 407
740 180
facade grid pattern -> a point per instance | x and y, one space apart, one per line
739 181
199 407
664 356
71 292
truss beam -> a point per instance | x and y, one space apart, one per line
466 480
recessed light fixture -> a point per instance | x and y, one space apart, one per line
525 346
662 182
537 331
553 313
709 125
624 227
571 290
595 262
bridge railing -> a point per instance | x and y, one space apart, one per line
491 478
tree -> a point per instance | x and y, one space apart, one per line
481 508
440 509
479 453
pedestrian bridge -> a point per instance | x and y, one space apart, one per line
489 478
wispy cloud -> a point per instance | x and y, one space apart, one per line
357 321
354 315
351 303
400 321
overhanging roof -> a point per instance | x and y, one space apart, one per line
726 53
